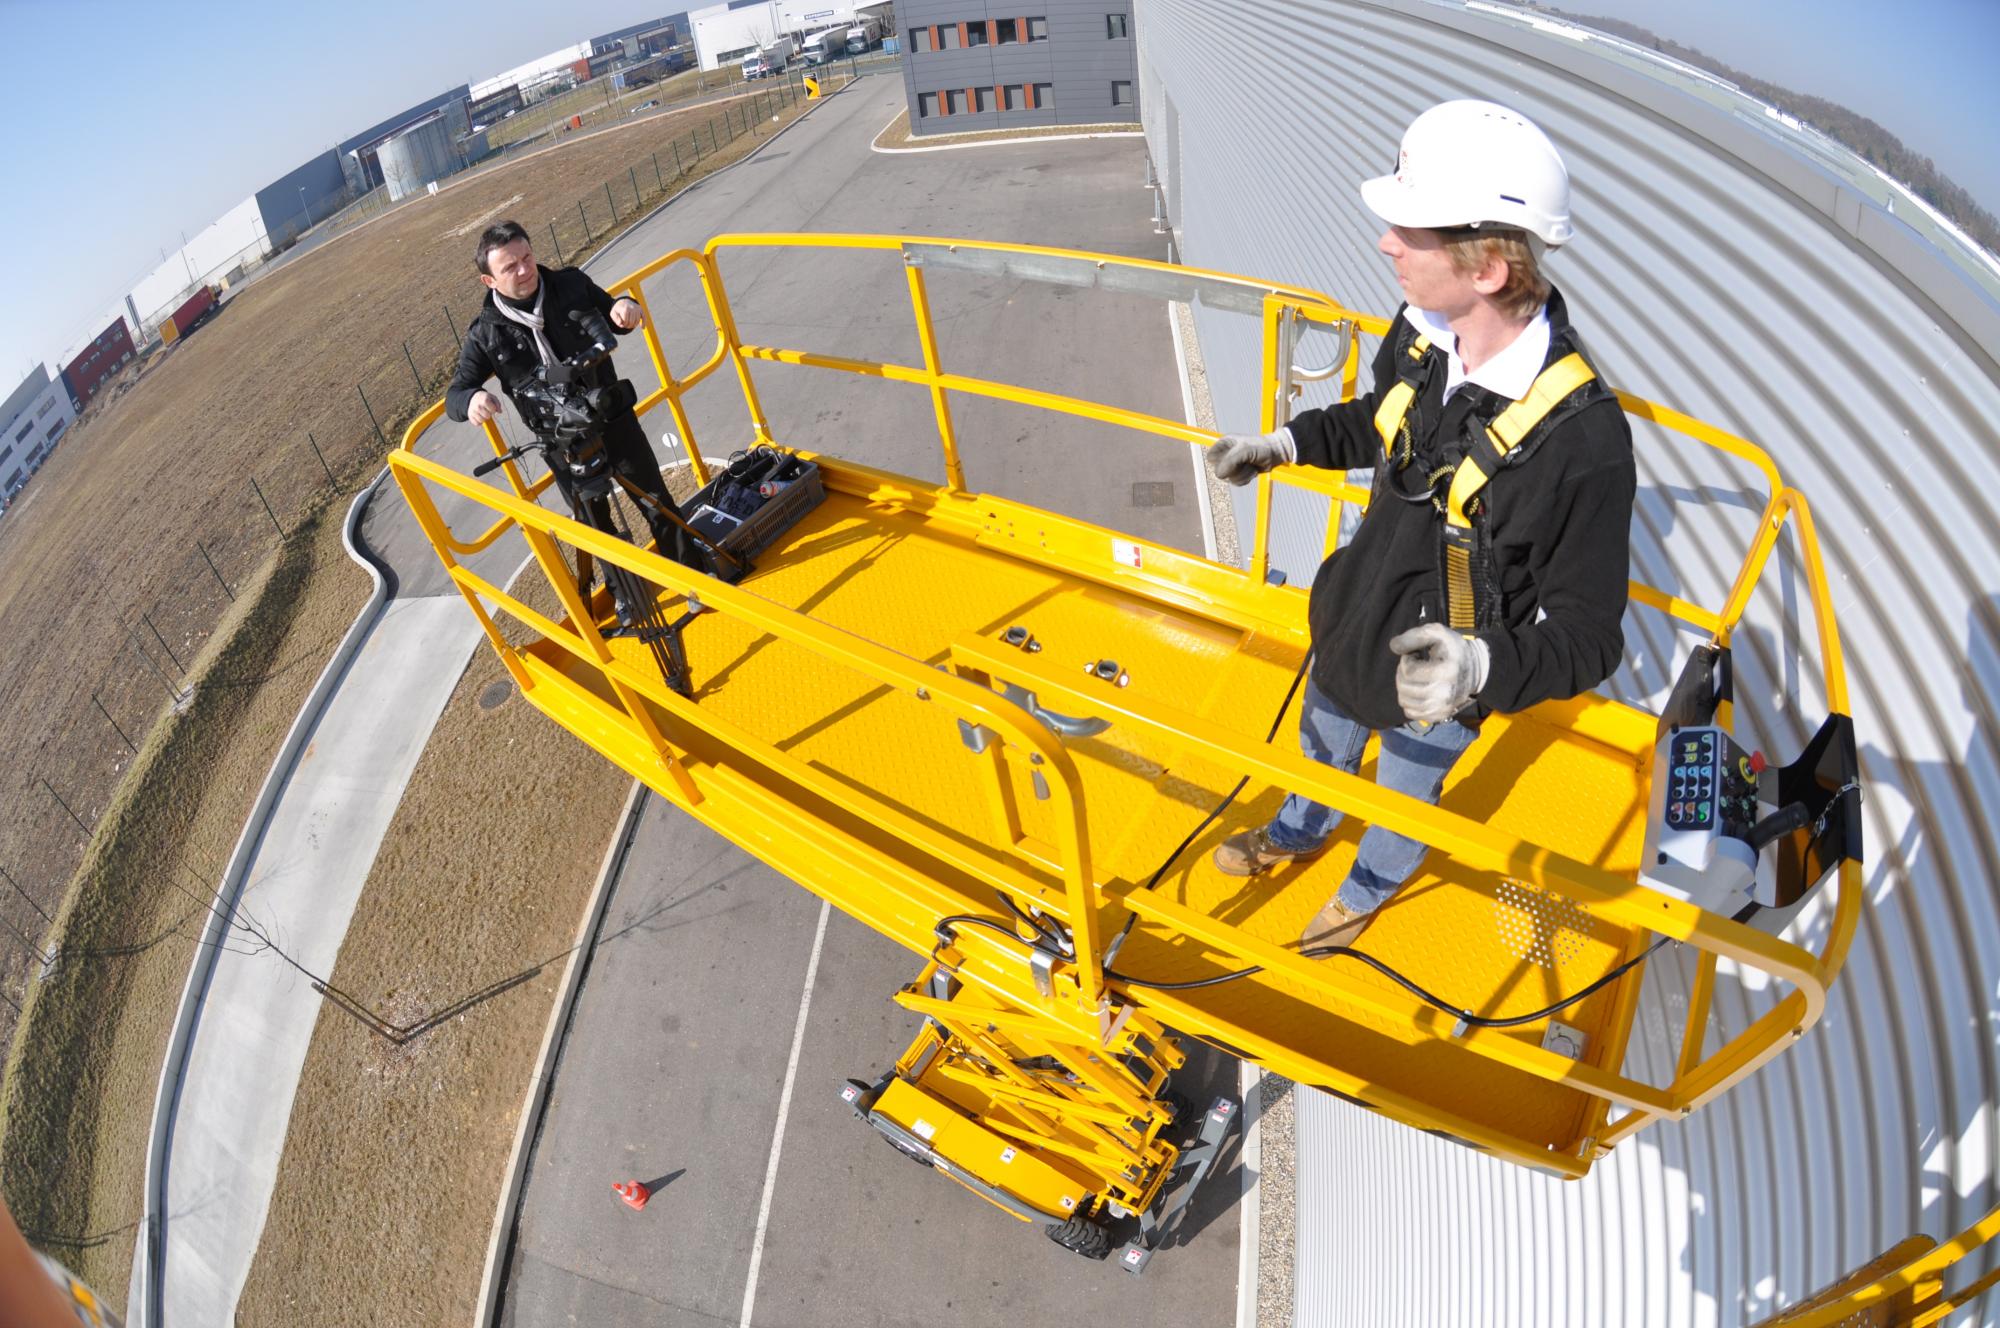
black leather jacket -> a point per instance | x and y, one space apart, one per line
497 347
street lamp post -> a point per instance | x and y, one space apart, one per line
304 206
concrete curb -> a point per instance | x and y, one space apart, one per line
148 1270
528 1129
1249 1080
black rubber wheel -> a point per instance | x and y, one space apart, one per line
1082 1236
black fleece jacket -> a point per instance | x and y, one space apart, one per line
1560 523
496 346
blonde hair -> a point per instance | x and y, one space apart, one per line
1526 289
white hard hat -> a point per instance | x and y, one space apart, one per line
1468 163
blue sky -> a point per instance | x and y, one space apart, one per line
130 123
1922 69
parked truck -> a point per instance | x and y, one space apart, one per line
824 46
182 320
862 37
769 60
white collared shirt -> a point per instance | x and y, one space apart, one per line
1510 373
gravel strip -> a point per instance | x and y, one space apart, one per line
1277 1201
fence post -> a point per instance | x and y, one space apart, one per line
25 895
679 170
588 238
415 377
113 723
66 807
637 202
267 506
557 239
322 460
212 568
147 619
658 179
158 672
612 202
371 416
450 326
713 146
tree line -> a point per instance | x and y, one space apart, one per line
1859 134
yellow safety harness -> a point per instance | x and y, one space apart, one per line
1565 385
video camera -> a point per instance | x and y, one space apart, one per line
568 406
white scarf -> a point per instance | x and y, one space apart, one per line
532 320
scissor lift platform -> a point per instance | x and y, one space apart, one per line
917 574
983 729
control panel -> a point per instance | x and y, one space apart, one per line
1701 814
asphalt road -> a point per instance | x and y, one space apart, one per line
718 990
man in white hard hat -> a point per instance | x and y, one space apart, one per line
1489 573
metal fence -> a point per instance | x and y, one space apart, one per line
787 91
103 722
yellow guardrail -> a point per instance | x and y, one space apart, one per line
1902 1289
1086 903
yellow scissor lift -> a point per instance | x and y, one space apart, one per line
981 728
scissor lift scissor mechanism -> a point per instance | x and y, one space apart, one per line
981 728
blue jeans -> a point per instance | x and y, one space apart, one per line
1414 759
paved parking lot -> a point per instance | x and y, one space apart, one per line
724 1006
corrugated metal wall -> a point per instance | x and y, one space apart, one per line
1726 268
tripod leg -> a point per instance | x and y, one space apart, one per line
660 636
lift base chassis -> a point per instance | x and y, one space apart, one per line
1035 1183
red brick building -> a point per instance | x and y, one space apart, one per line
97 362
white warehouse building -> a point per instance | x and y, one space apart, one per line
32 418
723 34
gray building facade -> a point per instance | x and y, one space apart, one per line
1012 64
300 198
1743 270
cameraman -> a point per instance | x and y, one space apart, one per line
525 324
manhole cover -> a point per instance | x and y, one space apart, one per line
496 694
1153 493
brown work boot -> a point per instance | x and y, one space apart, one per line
1250 852
1333 925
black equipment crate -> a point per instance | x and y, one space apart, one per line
752 534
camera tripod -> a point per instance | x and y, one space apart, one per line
638 605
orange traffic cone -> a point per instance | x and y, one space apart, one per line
633 1192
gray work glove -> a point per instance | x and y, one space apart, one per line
1438 671
1239 458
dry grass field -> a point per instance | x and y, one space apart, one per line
86 1061
125 520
